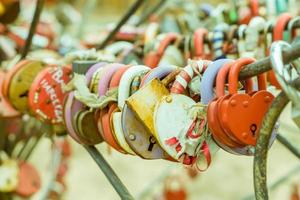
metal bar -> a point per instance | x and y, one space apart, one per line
35 20
264 65
279 181
123 20
285 142
154 9
262 146
109 173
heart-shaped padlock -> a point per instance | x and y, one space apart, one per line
219 136
29 180
214 70
253 106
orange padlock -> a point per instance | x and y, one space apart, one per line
241 115
212 117
178 193
199 44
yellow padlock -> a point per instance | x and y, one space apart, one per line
144 100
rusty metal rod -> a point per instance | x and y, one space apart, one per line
262 146
123 20
109 173
35 20
154 9
264 65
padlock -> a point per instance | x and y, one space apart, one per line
18 81
46 94
124 87
86 127
108 134
6 109
104 81
172 191
29 180
254 6
9 171
123 92
253 106
174 123
137 136
199 46
143 102
72 106
218 71
10 11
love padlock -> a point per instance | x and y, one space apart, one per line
18 81
119 128
253 106
174 189
29 180
225 141
135 132
46 94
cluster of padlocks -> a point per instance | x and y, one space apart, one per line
170 89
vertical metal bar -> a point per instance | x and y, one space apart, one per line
109 173
123 20
35 20
262 146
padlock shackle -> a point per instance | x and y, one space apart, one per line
168 39
234 74
280 25
199 41
254 5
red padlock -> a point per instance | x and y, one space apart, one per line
199 44
212 111
171 193
29 180
46 94
253 107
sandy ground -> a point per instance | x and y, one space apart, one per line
228 178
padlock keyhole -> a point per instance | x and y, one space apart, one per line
152 142
253 129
